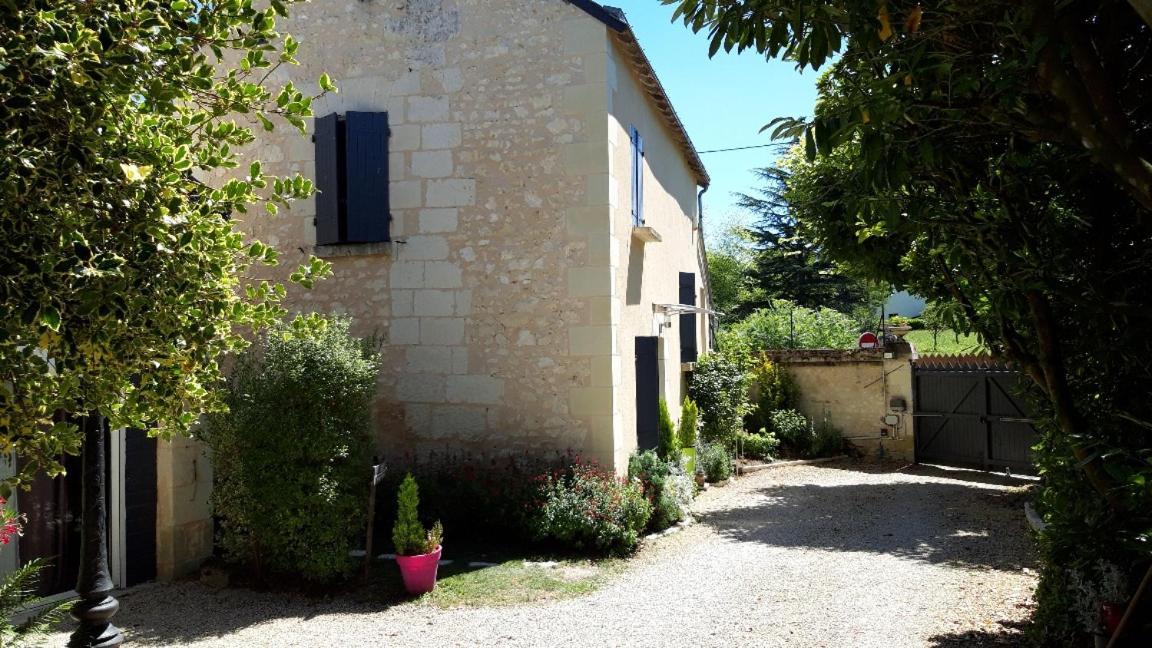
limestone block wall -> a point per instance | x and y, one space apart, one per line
648 273
183 516
495 299
853 390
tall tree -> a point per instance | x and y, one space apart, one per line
998 155
788 265
123 278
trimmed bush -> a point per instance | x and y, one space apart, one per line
788 326
591 510
689 420
668 443
292 456
716 462
665 486
794 431
720 388
762 445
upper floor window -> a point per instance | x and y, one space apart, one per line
637 176
352 178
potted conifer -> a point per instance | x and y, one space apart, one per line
689 414
417 550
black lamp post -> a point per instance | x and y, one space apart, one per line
96 606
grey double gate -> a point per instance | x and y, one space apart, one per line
967 413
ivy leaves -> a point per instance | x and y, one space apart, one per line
124 280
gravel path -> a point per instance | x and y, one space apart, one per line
839 554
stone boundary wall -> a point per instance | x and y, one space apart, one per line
854 390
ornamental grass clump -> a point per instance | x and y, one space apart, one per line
292 455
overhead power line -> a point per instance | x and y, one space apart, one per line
744 148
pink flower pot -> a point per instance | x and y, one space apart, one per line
419 572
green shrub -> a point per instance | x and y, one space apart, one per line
794 431
787 326
689 420
665 486
591 510
720 388
762 445
668 445
717 462
292 455
772 388
408 534
828 441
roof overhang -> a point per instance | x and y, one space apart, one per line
615 20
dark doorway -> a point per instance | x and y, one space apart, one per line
647 391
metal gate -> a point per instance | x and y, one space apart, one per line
967 414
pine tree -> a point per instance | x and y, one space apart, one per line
689 415
669 444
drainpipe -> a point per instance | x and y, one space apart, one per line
700 228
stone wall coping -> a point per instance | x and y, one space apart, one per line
352 249
826 356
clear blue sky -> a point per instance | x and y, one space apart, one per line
723 101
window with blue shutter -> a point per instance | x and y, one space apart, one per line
637 176
352 178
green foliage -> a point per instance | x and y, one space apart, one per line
794 430
125 278
292 455
759 445
668 445
588 509
408 535
689 421
788 326
828 440
17 591
960 151
773 388
731 270
665 486
716 462
786 266
720 387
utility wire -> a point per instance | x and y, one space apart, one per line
743 148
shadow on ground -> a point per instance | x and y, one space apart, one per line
1010 633
966 523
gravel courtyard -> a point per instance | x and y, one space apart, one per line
834 554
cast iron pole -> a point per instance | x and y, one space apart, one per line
96 606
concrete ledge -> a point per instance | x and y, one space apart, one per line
1034 520
783 464
352 249
646 234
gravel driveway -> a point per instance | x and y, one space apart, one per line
834 554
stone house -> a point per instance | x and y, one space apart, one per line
510 202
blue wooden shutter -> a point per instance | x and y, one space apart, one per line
637 178
328 183
647 392
367 168
688 349
139 506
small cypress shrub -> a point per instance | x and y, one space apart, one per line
408 534
689 415
668 445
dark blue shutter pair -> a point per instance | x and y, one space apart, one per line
688 350
352 178
637 176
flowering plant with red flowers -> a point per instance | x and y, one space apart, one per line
11 523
